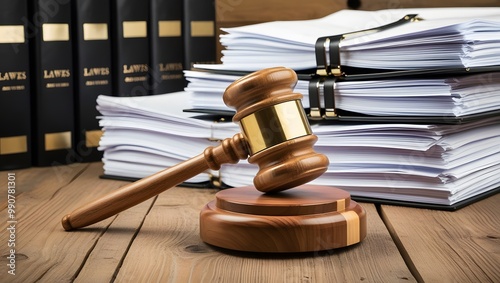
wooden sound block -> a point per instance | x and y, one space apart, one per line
303 219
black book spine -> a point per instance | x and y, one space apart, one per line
167 47
199 32
52 82
15 125
92 72
130 47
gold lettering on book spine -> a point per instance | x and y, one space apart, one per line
97 71
13 76
135 68
54 74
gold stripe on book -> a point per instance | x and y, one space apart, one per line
95 31
202 28
92 138
56 141
352 229
12 34
12 145
135 29
55 32
169 28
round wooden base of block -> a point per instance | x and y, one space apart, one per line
303 219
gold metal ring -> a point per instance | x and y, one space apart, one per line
274 125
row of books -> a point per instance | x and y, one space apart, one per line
56 57
408 111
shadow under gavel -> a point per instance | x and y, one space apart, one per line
275 135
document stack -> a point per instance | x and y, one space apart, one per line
406 104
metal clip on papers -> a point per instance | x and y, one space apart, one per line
329 67
328 48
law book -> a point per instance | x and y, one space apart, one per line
199 32
130 43
92 72
439 166
15 135
167 47
52 83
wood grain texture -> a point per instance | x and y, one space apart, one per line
461 246
106 256
440 246
37 195
293 202
231 150
169 249
44 251
303 219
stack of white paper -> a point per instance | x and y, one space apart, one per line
436 164
145 134
450 96
444 38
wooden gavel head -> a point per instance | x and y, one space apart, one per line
276 129
275 134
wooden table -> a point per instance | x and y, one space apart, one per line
158 241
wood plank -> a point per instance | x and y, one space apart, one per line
44 251
458 246
168 249
30 178
111 248
32 186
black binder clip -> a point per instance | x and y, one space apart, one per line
215 181
322 92
328 55
327 48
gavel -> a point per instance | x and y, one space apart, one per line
275 135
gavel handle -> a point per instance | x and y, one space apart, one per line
231 150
